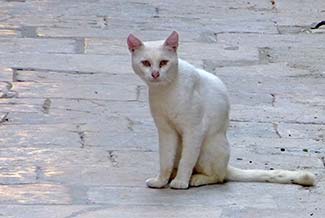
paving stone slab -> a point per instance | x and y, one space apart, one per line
25 135
34 194
300 113
314 131
76 91
8 33
212 195
233 194
56 156
41 211
271 40
30 45
305 58
264 84
269 213
5 74
154 211
73 111
78 77
107 211
302 13
68 62
269 130
204 51
122 133
20 174
252 159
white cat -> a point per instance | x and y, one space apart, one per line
190 108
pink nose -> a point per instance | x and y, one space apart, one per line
155 74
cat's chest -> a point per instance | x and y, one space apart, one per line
170 106
179 107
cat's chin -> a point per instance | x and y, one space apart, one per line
156 82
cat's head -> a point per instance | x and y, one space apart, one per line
155 62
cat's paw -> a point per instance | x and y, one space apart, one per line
178 184
156 182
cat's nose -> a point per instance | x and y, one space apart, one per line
155 74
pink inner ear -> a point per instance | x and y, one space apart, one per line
172 41
133 43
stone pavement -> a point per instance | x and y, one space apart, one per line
76 136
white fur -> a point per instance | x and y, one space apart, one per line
190 108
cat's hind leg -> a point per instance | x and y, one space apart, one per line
201 179
212 164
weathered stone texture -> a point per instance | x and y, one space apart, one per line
76 136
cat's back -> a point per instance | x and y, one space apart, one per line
207 82
208 91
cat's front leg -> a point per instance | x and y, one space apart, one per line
168 143
192 141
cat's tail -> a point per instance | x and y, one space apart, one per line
273 176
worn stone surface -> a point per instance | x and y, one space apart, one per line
76 136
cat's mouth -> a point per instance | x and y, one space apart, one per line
157 81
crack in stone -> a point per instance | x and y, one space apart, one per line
156 13
275 127
293 29
46 106
277 27
16 0
4 118
82 136
56 71
138 90
38 172
309 75
323 160
130 124
14 75
82 139
105 19
80 45
284 121
264 55
112 157
273 99
85 211
94 102
7 92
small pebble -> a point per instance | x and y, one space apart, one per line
271 168
282 149
305 150
239 158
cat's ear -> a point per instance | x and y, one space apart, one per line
134 43
172 41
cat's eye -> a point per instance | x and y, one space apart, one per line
146 63
163 63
